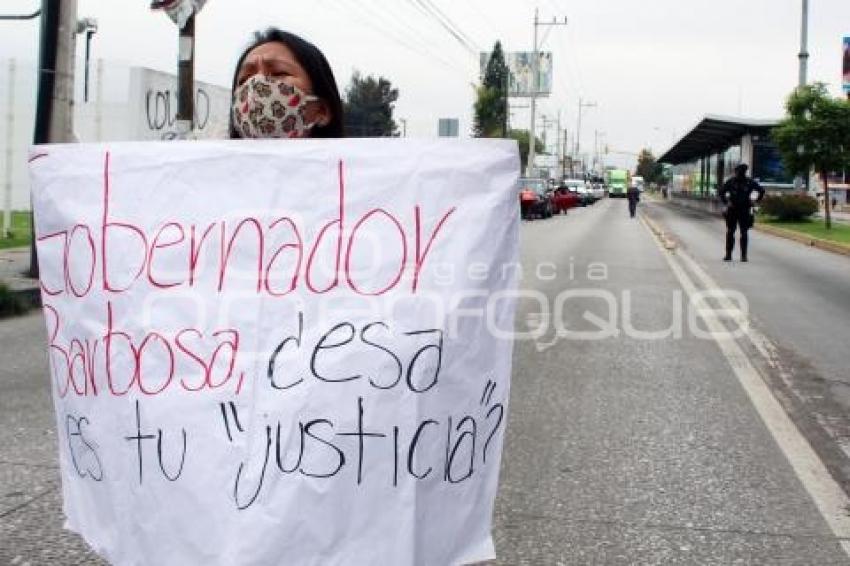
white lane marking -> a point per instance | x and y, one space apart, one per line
762 343
827 495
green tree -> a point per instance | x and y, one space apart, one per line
648 167
491 104
815 134
521 136
368 107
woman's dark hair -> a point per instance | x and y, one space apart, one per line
315 64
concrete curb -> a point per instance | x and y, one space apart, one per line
32 296
13 263
825 245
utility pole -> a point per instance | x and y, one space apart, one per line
186 79
581 105
595 149
564 155
558 145
532 138
62 115
535 80
403 127
54 119
804 40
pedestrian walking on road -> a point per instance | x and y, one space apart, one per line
736 194
633 194
283 87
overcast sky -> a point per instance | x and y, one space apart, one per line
653 67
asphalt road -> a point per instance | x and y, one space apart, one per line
625 448
629 450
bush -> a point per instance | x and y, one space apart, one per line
789 207
10 303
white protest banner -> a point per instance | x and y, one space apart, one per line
280 352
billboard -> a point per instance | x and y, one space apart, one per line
846 66
521 67
767 164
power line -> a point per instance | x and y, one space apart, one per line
428 10
442 14
483 17
401 21
402 41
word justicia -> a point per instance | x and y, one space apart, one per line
447 449
116 255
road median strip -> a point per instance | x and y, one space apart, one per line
667 242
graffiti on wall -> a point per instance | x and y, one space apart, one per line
161 109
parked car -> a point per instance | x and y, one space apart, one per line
598 190
579 187
535 199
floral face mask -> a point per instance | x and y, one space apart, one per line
266 107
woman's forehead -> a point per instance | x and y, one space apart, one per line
270 51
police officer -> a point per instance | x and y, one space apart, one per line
735 194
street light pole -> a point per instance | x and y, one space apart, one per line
804 38
529 166
55 99
87 26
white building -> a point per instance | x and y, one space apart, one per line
125 104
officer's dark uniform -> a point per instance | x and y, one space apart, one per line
736 194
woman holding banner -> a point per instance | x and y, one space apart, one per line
283 87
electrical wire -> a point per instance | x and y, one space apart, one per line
448 20
401 20
457 34
424 49
402 41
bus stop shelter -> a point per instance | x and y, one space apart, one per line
710 151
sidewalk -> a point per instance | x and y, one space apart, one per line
14 263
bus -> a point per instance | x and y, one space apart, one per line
618 182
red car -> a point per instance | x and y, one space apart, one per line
564 199
535 199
